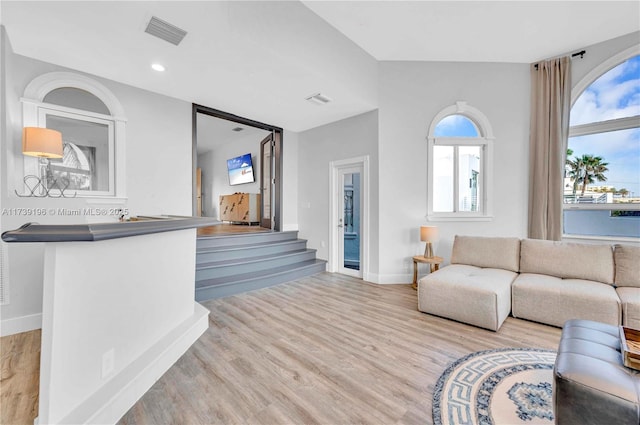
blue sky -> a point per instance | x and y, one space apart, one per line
456 126
615 94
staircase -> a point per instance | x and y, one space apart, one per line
230 264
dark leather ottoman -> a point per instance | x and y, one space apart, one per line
590 383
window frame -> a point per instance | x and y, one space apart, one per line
33 109
600 127
485 142
80 115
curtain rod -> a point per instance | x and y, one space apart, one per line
581 53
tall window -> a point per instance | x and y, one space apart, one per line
459 156
602 171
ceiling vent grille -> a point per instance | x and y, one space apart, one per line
319 99
164 30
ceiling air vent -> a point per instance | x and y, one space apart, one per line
237 129
164 30
319 99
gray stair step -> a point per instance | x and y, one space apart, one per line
204 242
219 269
232 252
231 264
222 287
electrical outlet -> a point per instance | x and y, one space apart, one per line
108 363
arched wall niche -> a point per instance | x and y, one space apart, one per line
75 100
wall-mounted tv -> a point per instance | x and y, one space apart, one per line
240 169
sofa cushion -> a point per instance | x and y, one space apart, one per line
627 265
499 253
567 260
469 294
630 300
551 300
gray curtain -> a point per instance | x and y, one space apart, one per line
550 104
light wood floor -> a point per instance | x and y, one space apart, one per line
326 349
19 377
230 229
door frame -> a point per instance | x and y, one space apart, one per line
278 136
270 140
336 193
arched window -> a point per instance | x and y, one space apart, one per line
460 150
602 171
91 121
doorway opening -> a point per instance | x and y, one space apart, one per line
236 161
348 242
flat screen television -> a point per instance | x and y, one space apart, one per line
240 169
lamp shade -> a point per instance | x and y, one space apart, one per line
428 233
41 142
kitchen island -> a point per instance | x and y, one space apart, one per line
118 311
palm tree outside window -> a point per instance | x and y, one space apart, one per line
602 172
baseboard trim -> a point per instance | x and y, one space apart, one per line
20 324
389 279
116 397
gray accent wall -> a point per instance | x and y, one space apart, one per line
345 139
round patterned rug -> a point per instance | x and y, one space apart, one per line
499 387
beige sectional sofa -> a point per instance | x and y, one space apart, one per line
543 281
476 287
561 281
627 281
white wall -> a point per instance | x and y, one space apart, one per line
140 314
158 175
411 94
215 177
215 181
349 138
206 162
4 275
599 53
290 148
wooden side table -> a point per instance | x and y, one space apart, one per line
434 264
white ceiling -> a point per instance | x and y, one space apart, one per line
261 59
477 31
214 132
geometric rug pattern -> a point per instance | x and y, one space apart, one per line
501 386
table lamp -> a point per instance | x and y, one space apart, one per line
43 143
428 234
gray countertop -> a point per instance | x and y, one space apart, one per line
89 232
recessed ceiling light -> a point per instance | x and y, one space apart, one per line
158 67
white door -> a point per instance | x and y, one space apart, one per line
349 219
